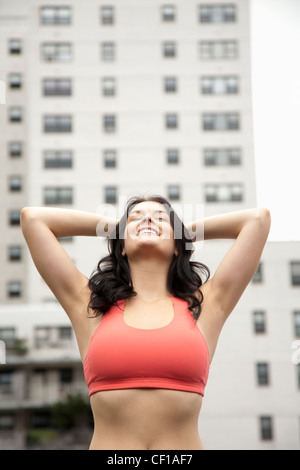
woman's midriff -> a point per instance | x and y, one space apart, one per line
143 419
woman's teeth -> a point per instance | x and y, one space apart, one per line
147 231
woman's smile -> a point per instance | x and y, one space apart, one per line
148 231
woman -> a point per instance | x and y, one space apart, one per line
146 323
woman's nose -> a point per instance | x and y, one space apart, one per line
147 217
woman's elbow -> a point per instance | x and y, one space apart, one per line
265 214
264 218
28 214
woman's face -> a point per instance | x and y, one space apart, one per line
149 231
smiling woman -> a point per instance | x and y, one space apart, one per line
147 322
150 230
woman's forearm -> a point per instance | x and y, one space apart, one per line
68 222
226 226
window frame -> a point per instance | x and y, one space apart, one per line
57 18
58 195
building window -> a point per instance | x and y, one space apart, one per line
52 337
107 15
63 240
224 192
259 321
8 335
108 51
15 114
5 388
14 217
172 156
56 195
57 87
55 15
171 121
15 80
220 121
295 273
15 183
56 51
262 373
228 85
58 123
14 254
168 13
258 276
65 376
108 86
218 50
110 194
297 323
109 123
173 192
222 157
15 46
7 423
169 49
266 428
41 418
41 337
58 159
217 13
170 84
110 158
15 149
14 289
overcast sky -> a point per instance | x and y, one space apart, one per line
276 106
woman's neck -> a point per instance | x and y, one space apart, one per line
149 279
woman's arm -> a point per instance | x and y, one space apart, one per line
250 229
67 223
224 226
41 227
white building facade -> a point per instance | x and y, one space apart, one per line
105 100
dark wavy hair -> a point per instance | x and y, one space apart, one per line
111 281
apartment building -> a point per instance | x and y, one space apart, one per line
105 100
42 368
108 100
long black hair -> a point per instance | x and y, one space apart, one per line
111 281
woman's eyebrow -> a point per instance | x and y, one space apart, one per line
161 212
138 212
133 213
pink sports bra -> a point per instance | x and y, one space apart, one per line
174 356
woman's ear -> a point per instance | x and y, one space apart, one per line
123 252
176 252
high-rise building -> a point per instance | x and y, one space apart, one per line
108 100
105 100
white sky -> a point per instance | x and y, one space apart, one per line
276 106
